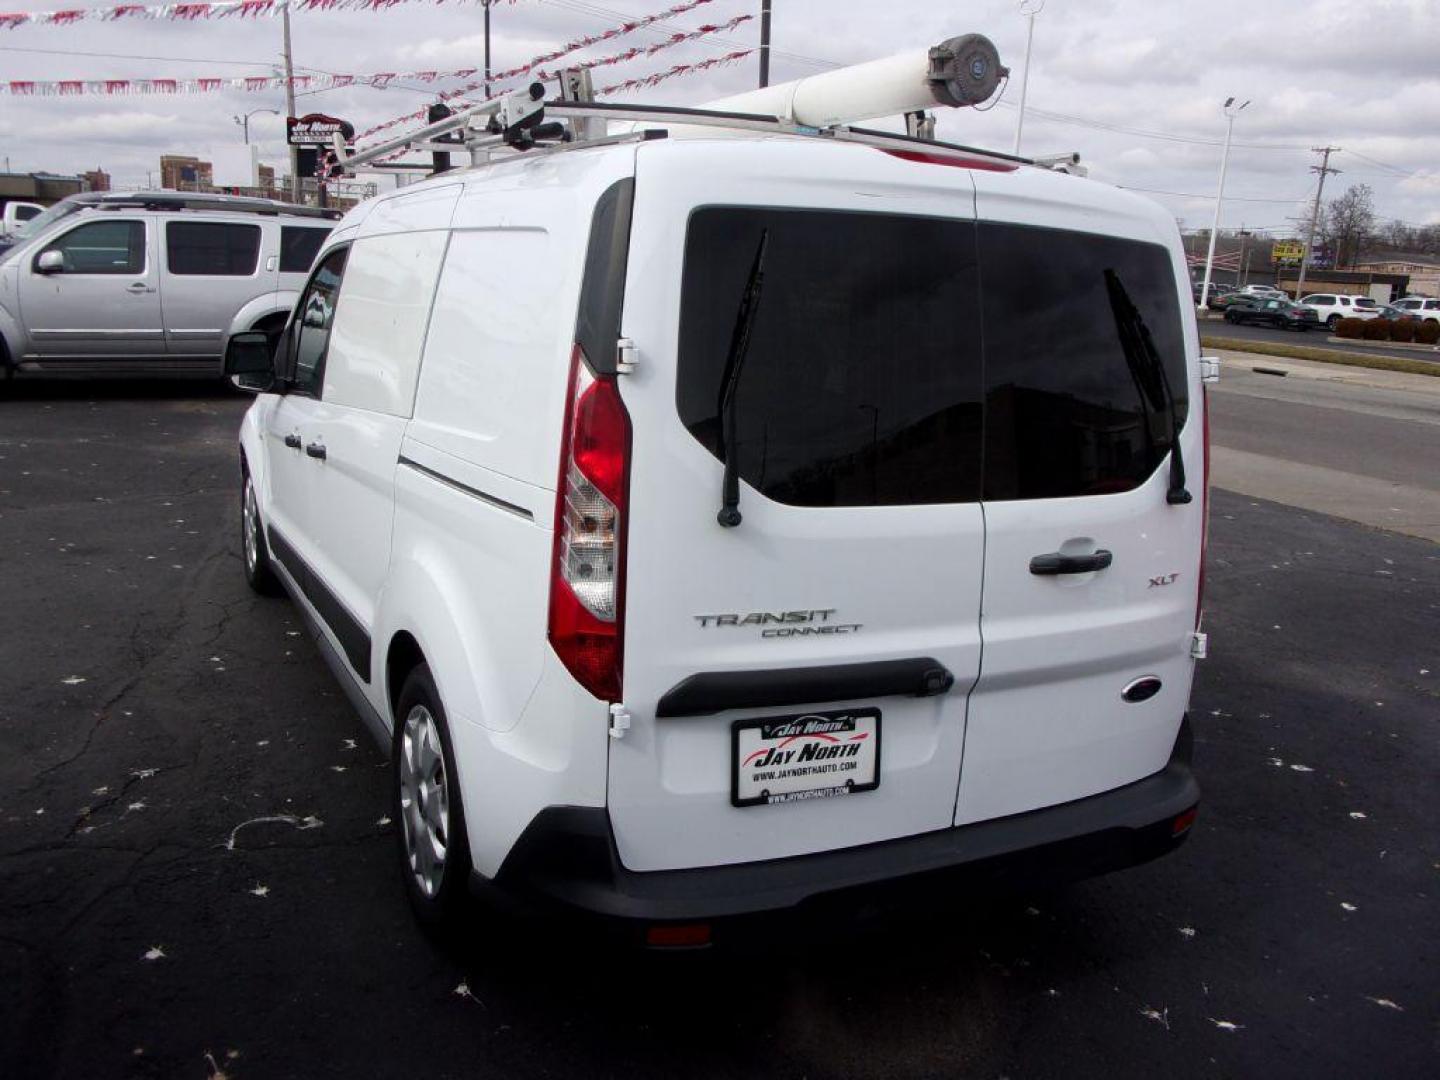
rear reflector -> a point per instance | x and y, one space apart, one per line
684 936
1181 825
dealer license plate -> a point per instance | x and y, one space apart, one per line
818 755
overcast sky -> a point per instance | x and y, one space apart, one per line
1135 86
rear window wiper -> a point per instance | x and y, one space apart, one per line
1149 371
729 515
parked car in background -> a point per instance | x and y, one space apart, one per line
1216 289
1422 307
14 216
156 282
1332 307
1265 290
1225 299
1398 314
1267 311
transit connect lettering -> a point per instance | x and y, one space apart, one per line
766 618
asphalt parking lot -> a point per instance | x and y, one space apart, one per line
198 870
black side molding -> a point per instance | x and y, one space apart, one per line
352 636
713 691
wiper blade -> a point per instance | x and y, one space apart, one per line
729 515
1149 369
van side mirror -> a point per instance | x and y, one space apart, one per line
50 262
248 358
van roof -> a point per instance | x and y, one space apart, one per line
800 154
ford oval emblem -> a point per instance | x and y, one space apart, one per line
1142 689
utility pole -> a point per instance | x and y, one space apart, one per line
290 109
764 43
1323 169
487 50
1028 8
1231 111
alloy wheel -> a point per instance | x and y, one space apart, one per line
424 800
249 526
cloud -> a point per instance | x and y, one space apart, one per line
1333 72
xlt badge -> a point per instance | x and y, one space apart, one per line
777 624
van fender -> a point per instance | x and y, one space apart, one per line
252 449
418 600
521 742
282 301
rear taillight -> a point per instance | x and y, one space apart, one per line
1204 505
587 576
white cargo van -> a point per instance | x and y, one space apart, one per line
714 523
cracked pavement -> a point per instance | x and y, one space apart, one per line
168 743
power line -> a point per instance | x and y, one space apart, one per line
1195 195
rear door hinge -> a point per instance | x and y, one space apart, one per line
625 358
1209 369
619 720
1199 645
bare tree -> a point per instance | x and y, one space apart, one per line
1349 220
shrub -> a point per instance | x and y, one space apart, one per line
1377 330
1402 330
1428 333
1350 328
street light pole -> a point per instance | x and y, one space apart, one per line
1231 111
764 43
290 108
1028 8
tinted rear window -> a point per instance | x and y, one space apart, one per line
862 385
905 360
298 247
211 249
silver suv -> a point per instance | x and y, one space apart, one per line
150 282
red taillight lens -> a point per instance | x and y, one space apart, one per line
587 593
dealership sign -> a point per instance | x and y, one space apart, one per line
317 129
1287 251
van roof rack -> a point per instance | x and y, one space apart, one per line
958 72
524 121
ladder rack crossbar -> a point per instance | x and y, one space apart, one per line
424 139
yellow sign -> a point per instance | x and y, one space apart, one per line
1287 251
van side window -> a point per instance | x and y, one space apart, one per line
298 246
313 319
103 247
380 324
862 386
1066 412
211 248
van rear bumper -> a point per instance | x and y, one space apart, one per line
567 856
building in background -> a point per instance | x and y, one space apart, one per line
182 173
267 179
1423 270
97 180
42 188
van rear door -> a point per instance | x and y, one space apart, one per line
1076 464
843 610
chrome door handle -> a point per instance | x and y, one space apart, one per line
316 450
138 288
292 441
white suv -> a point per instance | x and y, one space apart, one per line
1330 308
708 524
1422 307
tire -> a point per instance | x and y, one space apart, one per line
430 820
1330 323
254 552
